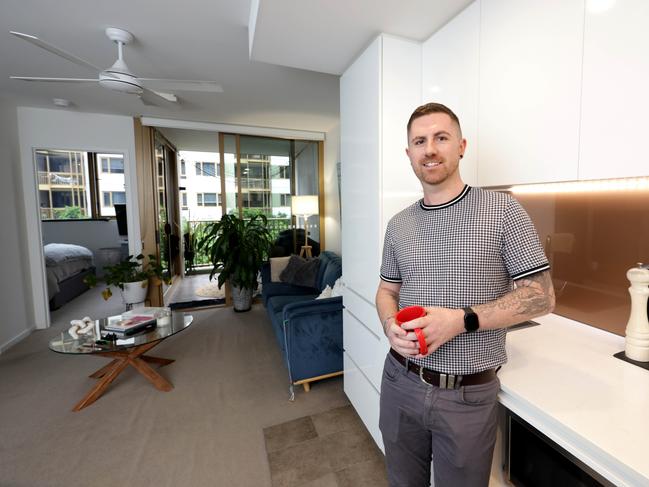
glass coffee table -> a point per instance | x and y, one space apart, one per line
124 351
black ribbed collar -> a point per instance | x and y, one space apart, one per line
459 197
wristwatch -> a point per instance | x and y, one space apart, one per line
471 322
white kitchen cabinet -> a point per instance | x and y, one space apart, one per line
360 91
530 78
450 71
378 92
615 99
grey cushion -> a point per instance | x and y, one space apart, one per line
300 272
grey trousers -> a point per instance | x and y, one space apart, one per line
454 427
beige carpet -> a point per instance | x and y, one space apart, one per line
329 449
230 384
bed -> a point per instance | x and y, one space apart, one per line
66 265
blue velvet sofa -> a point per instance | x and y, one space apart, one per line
309 332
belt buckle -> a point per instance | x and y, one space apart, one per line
446 381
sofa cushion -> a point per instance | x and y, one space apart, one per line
301 272
326 293
271 289
277 265
337 290
275 304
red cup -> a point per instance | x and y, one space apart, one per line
410 313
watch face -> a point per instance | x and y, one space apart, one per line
470 320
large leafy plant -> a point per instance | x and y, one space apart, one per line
236 248
131 269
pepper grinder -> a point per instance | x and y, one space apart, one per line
637 329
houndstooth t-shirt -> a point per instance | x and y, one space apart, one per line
465 252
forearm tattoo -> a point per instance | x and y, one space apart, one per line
533 296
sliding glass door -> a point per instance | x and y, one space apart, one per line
248 175
168 211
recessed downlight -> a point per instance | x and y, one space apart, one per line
61 102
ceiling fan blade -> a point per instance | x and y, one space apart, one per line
151 98
55 50
56 80
183 85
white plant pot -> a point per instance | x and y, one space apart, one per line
241 298
135 292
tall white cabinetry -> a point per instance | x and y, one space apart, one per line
615 99
377 94
530 80
450 70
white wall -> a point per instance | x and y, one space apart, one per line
58 129
15 300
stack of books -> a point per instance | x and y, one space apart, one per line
131 325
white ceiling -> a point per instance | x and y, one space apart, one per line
300 47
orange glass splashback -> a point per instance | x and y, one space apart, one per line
591 240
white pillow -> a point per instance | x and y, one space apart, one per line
277 265
326 293
337 290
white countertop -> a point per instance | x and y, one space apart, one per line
562 379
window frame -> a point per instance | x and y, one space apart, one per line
109 164
200 169
200 200
91 183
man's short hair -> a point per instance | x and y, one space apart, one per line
429 108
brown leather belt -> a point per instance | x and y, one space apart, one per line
445 381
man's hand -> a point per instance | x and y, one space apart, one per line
438 326
403 342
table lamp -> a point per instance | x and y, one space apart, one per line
305 206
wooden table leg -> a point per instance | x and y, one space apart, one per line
101 386
101 372
121 359
156 379
156 360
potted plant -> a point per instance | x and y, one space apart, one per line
237 248
131 276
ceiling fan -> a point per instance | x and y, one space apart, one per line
118 77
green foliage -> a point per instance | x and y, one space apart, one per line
236 248
250 212
131 269
69 213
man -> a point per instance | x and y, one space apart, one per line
473 259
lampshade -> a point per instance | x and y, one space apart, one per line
304 205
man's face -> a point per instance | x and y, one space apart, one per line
434 148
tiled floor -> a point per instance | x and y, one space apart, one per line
330 449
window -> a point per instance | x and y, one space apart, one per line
77 184
280 172
208 199
112 164
114 198
63 184
183 196
255 200
183 168
110 183
206 169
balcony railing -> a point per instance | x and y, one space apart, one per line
197 231
66 179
